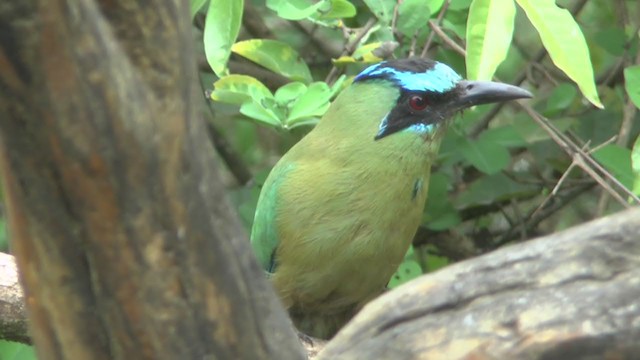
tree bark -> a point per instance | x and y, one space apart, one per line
570 295
126 245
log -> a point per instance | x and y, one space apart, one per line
570 295
13 318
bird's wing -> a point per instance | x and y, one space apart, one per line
264 236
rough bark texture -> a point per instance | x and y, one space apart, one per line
571 295
125 242
13 317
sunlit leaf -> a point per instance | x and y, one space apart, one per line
237 89
564 41
276 56
221 28
294 9
489 33
338 9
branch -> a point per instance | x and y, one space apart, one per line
13 317
568 295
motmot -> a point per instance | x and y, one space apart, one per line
337 213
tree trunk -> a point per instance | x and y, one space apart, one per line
126 245
571 295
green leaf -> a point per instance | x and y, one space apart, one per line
561 98
435 6
289 93
617 160
196 5
408 270
413 15
632 83
221 28
258 111
564 41
10 350
382 9
294 9
338 9
635 166
492 188
532 132
489 33
459 5
276 56
338 85
613 40
237 89
312 103
485 155
506 136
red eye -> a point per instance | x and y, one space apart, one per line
417 102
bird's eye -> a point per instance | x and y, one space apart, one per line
418 103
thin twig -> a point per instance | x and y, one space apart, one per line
349 48
447 40
427 45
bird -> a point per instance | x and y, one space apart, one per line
339 210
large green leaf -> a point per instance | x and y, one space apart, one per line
564 41
489 33
413 15
276 56
221 29
237 89
382 9
632 83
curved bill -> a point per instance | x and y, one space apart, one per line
485 92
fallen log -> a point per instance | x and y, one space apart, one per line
569 295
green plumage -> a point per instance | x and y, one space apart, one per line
338 211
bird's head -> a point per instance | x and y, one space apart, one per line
430 93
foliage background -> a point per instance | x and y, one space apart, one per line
268 71
504 173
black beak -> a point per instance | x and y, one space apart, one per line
484 92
